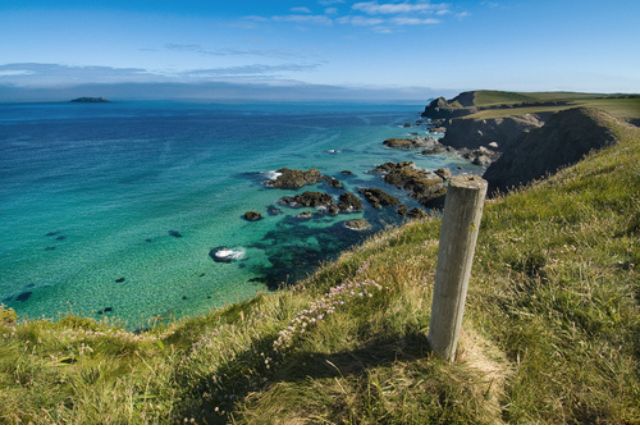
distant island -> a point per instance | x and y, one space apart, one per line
90 100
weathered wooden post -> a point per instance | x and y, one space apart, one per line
458 236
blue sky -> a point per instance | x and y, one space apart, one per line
515 45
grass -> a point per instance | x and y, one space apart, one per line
620 106
551 333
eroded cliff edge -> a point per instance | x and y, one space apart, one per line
535 138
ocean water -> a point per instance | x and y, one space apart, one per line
90 192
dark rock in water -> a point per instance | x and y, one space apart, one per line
52 233
61 237
402 210
257 279
225 255
90 100
294 179
184 297
307 199
24 296
252 216
201 275
406 125
357 224
306 215
410 143
421 185
175 233
349 202
346 172
416 213
50 248
333 210
148 240
208 296
120 280
378 198
31 285
273 210
332 182
105 310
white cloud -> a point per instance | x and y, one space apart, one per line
360 21
414 21
303 19
375 8
331 11
329 2
300 9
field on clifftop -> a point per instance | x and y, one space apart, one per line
551 333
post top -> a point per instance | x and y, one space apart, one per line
471 182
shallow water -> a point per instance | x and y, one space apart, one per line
90 193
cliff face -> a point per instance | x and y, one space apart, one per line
564 140
471 133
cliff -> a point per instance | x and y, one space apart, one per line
565 139
473 133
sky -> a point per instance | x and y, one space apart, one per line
381 45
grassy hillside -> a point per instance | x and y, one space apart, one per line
552 330
489 101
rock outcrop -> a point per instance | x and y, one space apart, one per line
308 199
424 186
474 133
378 198
349 202
566 137
294 179
411 143
252 216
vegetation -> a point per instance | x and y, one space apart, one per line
494 104
551 333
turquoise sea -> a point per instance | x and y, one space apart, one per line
90 192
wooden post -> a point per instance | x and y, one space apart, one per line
458 236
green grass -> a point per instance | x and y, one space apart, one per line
551 333
620 106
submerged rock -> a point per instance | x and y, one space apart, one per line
61 238
378 198
294 179
252 216
50 248
306 215
332 182
22 297
308 199
273 210
346 172
357 224
175 233
105 310
120 280
225 254
52 233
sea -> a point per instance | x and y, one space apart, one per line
111 210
